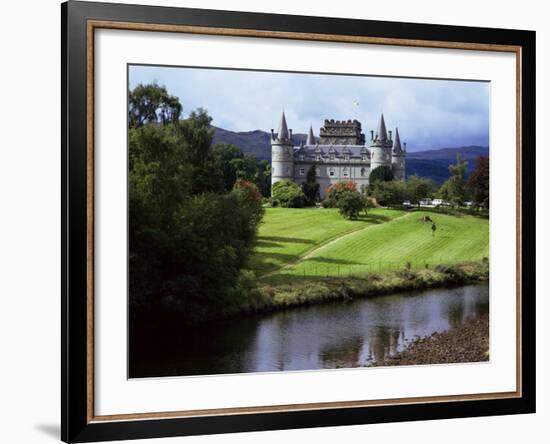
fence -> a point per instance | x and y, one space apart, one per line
308 269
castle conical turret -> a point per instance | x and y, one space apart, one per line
382 134
397 142
282 153
381 147
310 137
283 134
398 158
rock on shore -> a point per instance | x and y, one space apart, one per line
466 343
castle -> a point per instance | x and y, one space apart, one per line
340 154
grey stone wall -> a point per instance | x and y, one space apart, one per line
330 172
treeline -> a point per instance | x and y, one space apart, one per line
383 190
455 191
194 211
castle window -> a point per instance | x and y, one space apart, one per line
364 157
317 172
331 172
318 157
331 156
346 156
345 172
363 172
301 157
302 171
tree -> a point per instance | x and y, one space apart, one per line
382 173
224 156
335 190
189 238
262 178
310 187
289 194
389 193
350 204
419 188
478 183
234 164
250 202
151 103
454 189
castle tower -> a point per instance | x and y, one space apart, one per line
381 146
282 153
310 137
398 158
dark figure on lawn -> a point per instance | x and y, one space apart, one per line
433 229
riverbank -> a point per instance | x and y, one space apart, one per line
258 298
468 342
303 292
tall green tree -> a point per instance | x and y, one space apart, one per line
478 183
225 156
382 173
389 193
263 177
151 103
189 237
454 189
310 187
234 164
419 188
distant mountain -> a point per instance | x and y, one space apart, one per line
251 142
431 163
435 163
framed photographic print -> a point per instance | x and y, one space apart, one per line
275 221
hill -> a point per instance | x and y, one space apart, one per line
313 242
430 163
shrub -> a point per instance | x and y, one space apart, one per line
289 194
350 204
381 174
335 191
455 274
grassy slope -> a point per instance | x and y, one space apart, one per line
288 234
390 245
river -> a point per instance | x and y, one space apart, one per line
334 335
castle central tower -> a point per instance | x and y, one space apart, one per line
282 153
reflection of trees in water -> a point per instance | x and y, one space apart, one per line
382 342
345 354
455 314
167 349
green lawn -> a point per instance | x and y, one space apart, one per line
289 233
313 242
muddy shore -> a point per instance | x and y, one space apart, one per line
466 343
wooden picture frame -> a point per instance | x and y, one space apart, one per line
79 22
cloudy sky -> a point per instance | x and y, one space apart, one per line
429 113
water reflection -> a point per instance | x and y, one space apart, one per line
327 336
